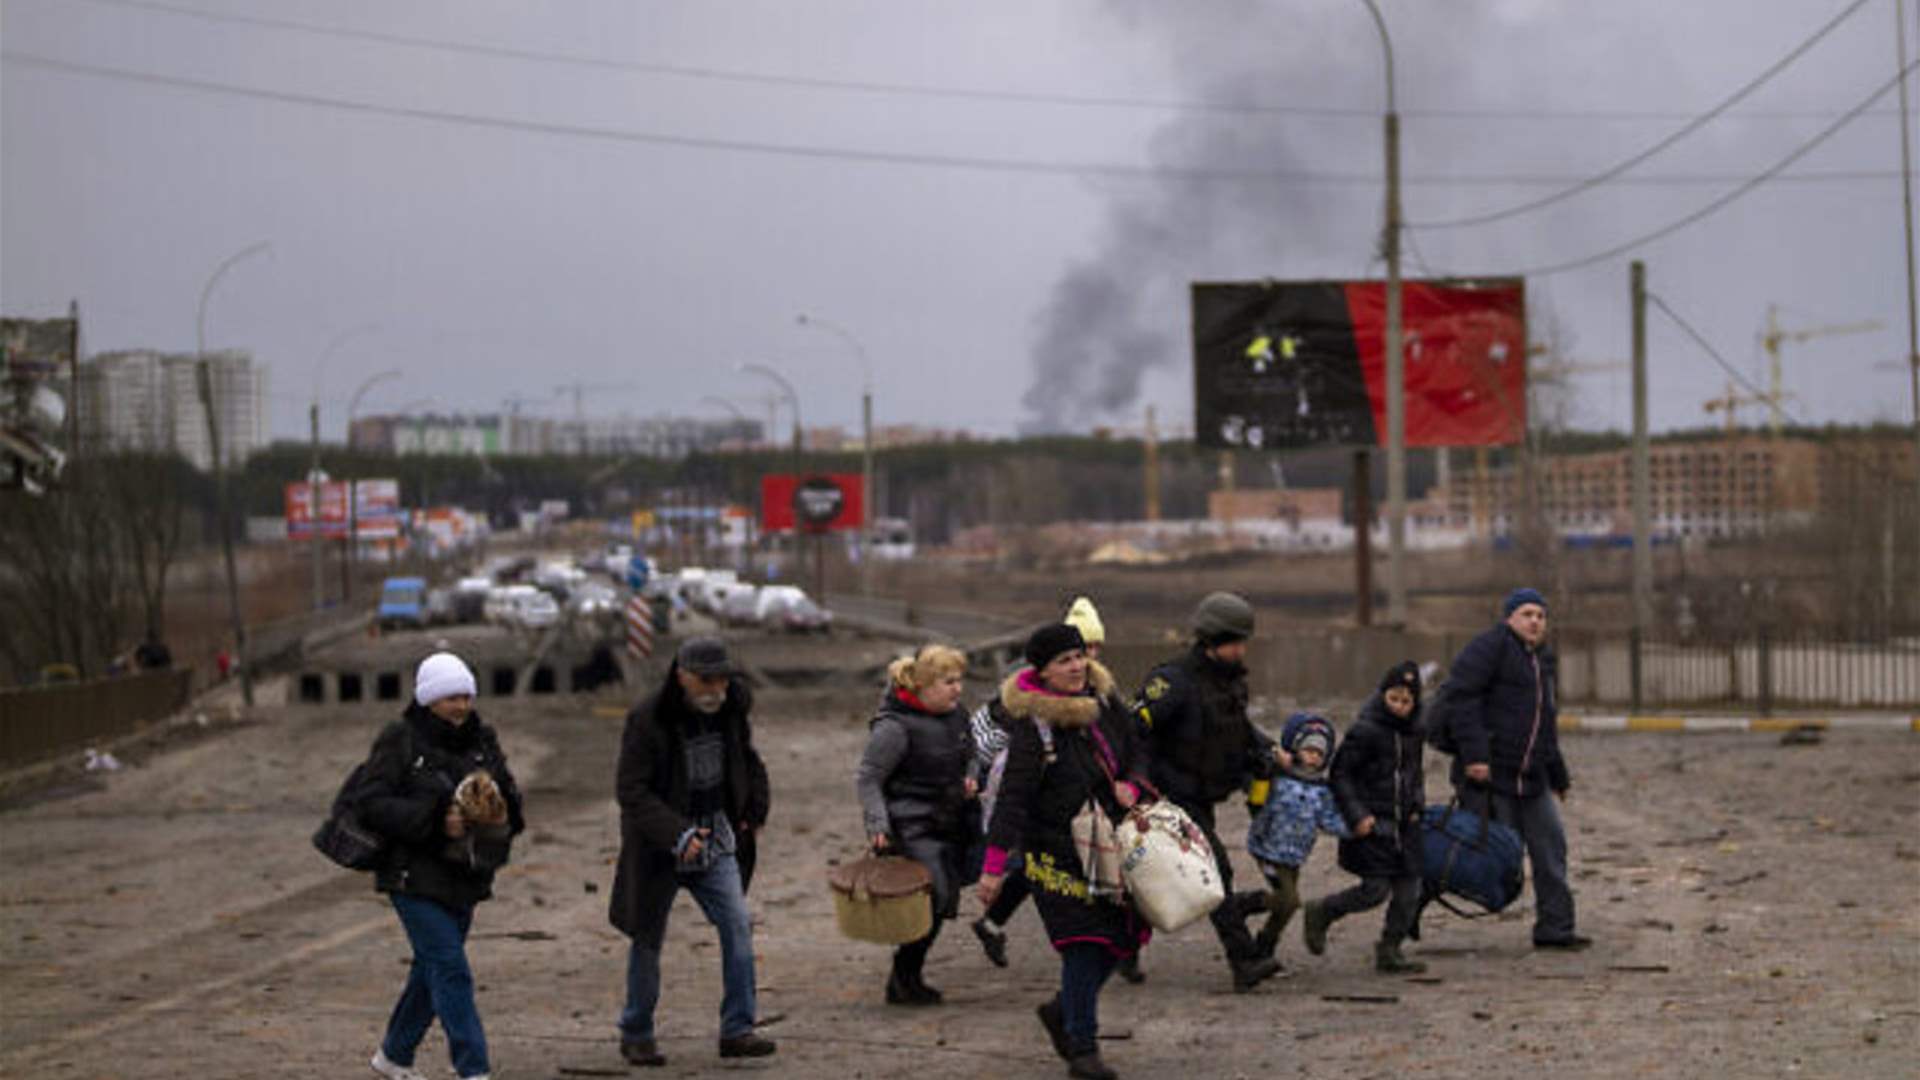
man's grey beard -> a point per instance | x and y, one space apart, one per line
707 703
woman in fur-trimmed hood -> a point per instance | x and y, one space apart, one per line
1071 741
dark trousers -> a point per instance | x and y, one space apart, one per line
910 960
1537 819
1229 919
1403 892
1013 893
1084 969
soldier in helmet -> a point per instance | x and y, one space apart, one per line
1193 712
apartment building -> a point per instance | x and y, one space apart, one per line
146 400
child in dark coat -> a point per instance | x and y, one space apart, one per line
1298 807
1379 781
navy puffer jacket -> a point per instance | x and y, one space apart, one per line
1502 701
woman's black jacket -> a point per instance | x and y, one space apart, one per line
416 763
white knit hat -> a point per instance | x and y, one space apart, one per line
442 675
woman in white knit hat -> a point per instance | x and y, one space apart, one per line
439 791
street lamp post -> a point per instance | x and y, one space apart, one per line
313 471
793 402
204 378
353 492
866 441
1396 354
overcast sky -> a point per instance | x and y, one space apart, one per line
1002 201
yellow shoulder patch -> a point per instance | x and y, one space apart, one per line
1156 688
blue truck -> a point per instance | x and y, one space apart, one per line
403 603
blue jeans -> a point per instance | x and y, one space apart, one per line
1537 819
439 984
1084 969
717 891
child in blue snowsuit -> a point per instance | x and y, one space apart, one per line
1298 807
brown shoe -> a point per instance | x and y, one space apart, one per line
642 1052
746 1046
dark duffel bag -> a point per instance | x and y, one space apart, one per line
1470 856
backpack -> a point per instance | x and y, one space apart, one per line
342 837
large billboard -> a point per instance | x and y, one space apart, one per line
1283 364
376 517
820 502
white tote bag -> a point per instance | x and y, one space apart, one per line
1168 866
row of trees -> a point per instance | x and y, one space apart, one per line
84 570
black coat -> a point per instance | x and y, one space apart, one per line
1042 788
651 787
416 763
1502 704
1193 713
1378 772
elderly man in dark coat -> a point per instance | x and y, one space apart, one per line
692 793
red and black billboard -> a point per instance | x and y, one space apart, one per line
1286 364
820 502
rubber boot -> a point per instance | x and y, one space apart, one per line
1313 926
1387 960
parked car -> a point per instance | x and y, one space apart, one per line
742 606
441 607
712 590
470 599
772 601
594 600
536 610
403 603
803 616
503 602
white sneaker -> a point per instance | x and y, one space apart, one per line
394 1072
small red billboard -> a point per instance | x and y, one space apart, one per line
820 502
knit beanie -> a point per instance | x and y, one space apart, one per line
1223 617
1406 675
1050 641
1519 597
442 675
1082 617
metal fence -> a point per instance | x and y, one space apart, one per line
42 721
1758 671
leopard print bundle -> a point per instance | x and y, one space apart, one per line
479 800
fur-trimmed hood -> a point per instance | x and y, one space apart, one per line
1080 710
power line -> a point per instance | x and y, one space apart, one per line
1087 101
1752 182
1105 170
1684 130
1732 372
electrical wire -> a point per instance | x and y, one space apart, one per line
1684 130
1087 101
1717 204
1104 170
1853 454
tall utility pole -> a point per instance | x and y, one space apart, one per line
1396 355
205 379
1906 204
866 441
313 510
1152 464
1642 497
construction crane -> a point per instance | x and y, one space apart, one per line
579 389
1732 403
1770 340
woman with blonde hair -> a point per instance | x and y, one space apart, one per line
918 783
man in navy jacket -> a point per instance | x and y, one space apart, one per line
1501 694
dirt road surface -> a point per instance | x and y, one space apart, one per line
1756 907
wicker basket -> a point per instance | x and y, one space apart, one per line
883 899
